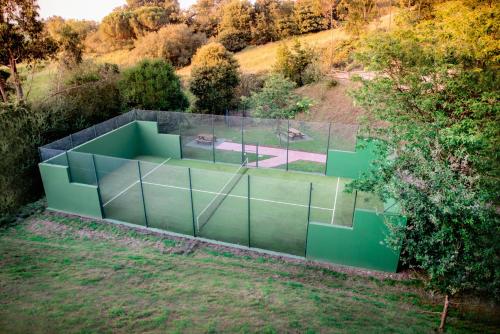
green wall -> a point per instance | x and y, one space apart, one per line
65 196
121 143
351 164
157 144
359 246
132 140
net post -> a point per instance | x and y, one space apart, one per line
192 203
308 217
248 206
328 145
213 139
354 209
98 187
287 141
142 193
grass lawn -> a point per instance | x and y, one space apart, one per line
66 275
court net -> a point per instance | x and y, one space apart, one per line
219 198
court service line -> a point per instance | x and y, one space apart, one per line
133 184
335 202
237 196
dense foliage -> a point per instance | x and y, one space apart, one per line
175 43
22 38
152 85
439 93
214 78
277 99
298 63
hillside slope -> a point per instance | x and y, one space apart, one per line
64 274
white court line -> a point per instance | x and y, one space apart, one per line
335 202
133 184
215 197
237 196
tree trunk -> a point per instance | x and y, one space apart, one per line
444 314
16 78
2 91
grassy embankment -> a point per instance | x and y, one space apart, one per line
66 275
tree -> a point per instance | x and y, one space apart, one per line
152 84
284 22
357 14
116 27
148 19
214 78
70 46
263 28
237 22
233 40
4 75
309 16
277 99
22 38
204 16
175 43
438 94
295 63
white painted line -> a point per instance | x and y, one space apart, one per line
120 193
133 184
335 202
237 196
156 168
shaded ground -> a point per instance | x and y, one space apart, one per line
62 274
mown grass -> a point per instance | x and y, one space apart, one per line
66 275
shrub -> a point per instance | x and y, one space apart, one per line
277 99
233 40
214 78
85 95
299 64
152 84
176 43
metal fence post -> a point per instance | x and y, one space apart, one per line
192 203
287 141
328 146
248 198
308 217
355 203
242 142
98 186
213 138
257 155
71 140
95 131
69 167
142 193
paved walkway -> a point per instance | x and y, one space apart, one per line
278 154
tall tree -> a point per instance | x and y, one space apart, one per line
214 78
309 16
22 38
438 94
357 14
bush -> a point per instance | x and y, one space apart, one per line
249 83
176 43
233 40
22 132
277 99
152 84
299 64
86 95
214 78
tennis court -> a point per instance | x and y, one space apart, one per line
229 203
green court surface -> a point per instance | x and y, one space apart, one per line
266 208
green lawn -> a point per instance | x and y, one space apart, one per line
68 275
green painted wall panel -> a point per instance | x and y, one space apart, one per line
351 164
121 143
360 246
157 144
62 195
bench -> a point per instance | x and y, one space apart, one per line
294 133
205 139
